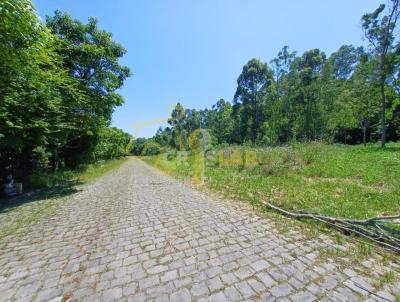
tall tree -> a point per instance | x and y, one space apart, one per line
252 82
306 71
342 63
379 29
164 137
220 121
281 66
177 122
92 57
36 94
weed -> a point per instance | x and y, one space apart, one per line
387 278
364 249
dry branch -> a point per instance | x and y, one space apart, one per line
371 228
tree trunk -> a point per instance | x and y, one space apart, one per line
383 103
364 134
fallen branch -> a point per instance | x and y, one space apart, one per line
371 228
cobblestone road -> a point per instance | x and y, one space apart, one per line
136 235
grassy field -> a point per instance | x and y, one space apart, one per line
334 180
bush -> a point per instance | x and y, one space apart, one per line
112 143
172 155
151 148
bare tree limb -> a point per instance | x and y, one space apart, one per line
368 228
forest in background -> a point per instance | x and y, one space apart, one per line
349 97
58 89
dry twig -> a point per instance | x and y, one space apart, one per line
371 228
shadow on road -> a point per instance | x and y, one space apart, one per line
42 194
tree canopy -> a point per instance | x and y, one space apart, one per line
350 96
58 84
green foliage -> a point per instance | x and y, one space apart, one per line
219 121
334 180
350 97
253 82
151 148
53 113
138 146
179 129
112 143
65 177
164 137
379 29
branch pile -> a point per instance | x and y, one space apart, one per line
380 230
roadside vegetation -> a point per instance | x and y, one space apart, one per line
334 184
333 180
59 84
85 174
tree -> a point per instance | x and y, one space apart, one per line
357 105
252 82
342 63
91 57
111 143
192 120
37 96
164 137
379 30
151 148
281 66
220 121
138 145
177 122
306 71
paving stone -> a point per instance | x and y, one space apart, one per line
229 278
149 282
232 294
260 265
281 290
218 297
245 290
182 295
303 296
199 289
266 279
215 284
112 294
244 272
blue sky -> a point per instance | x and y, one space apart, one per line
193 51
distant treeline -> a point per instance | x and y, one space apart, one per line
58 83
350 97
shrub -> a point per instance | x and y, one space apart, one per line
151 148
172 155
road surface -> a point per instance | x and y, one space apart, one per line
137 235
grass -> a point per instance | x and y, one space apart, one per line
91 172
387 278
86 174
334 180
